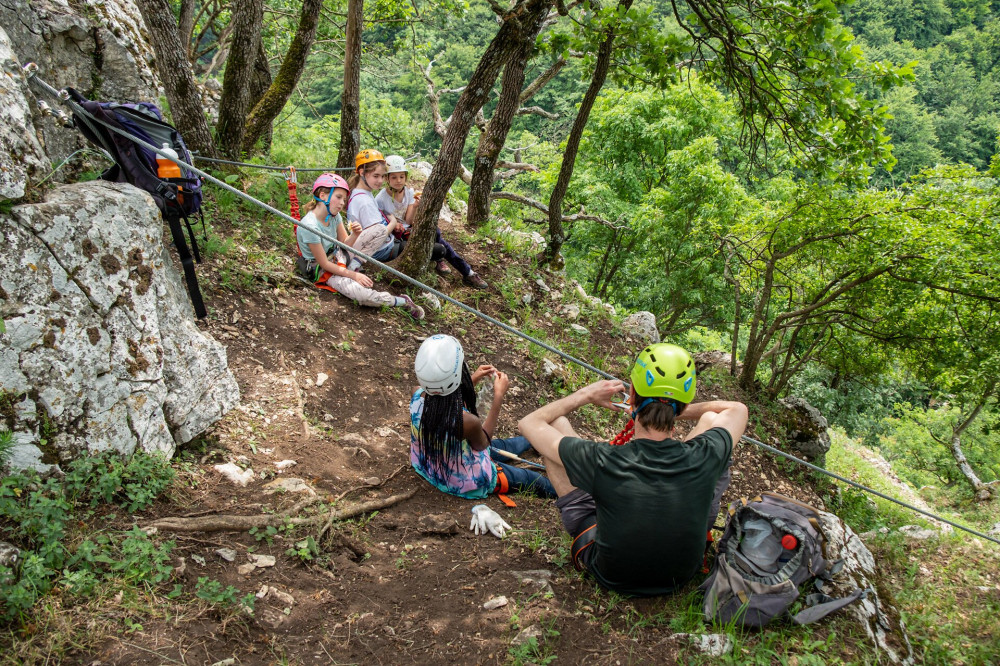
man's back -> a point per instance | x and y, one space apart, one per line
653 501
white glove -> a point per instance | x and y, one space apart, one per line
486 519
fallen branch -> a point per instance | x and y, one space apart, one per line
231 523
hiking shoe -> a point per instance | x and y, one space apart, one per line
441 268
413 309
475 281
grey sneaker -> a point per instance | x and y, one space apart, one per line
412 308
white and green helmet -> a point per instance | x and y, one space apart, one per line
395 164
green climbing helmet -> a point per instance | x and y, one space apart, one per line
664 371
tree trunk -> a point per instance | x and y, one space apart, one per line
494 137
982 490
175 72
557 236
269 104
350 101
185 25
520 26
259 86
238 79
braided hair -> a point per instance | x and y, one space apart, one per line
441 425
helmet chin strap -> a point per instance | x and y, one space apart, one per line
326 204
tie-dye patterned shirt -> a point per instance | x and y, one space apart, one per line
471 476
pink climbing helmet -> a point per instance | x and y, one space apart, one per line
331 180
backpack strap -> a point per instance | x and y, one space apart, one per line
185 256
820 605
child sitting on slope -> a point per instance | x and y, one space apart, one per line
449 446
400 201
325 264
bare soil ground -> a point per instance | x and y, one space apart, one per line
383 590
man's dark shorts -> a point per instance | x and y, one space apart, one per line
579 516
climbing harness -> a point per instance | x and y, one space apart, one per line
30 72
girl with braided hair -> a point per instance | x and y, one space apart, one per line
450 446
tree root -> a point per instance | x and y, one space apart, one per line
230 523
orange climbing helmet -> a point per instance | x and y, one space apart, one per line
366 156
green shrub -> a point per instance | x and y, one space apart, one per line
45 519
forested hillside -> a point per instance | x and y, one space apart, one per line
857 269
810 190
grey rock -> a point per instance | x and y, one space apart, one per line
246 569
228 554
438 523
198 559
353 438
495 603
805 428
581 330
541 285
713 645
289 484
995 530
570 311
10 555
431 300
533 631
880 621
538 578
642 325
551 369
526 299
919 533
715 358
101 331
100 48
423 168
262 561
21 155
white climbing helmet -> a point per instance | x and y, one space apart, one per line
395 164
439 364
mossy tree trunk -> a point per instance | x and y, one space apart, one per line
267 108
238 79
519 26
493 138
175 71
557 235
350 101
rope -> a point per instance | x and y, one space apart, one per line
63 97
215 160
265 167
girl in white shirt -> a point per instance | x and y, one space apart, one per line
400 202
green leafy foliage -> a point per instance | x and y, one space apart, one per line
44 518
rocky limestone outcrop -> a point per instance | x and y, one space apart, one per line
98 47
101 350
21 154
642 325
875 612
806 429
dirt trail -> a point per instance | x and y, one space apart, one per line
385 590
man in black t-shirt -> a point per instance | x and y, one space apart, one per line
639 512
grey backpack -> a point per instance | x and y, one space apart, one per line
772 544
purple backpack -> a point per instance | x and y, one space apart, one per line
177 198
